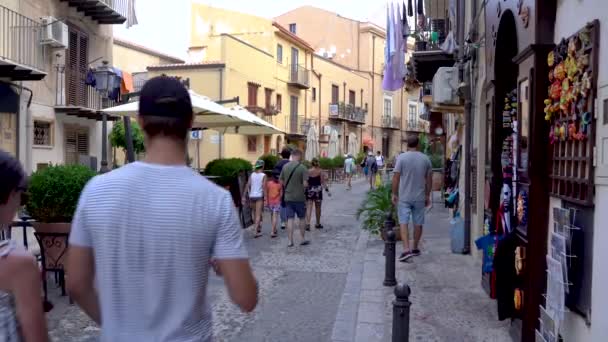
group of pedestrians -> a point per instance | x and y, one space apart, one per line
143 241
291 193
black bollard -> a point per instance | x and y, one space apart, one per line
401 314
389 252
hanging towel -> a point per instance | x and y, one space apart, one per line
410 8
126 86
114 91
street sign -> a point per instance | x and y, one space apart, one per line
196 135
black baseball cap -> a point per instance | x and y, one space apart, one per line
165 96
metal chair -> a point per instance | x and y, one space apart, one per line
53 247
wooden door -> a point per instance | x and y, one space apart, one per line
267 142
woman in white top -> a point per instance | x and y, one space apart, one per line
254 190
21 313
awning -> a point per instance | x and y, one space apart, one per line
211 115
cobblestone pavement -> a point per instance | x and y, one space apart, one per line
300 288
448 303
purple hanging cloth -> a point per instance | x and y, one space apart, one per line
393 80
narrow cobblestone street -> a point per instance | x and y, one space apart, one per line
332 290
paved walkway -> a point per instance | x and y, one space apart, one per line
332 290
448 303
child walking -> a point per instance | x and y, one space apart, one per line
255 190
274 192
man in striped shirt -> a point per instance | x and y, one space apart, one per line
144 236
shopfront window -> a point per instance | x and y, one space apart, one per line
524 130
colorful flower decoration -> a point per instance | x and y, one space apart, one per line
585 36
556 90
552 137
562 133
551 59
573 45
585 125
585 84
572 130
522 208
571 67
560 71
582 61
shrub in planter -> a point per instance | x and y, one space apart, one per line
326 163
53 195
360 157
338 162
227 169
374 210
270 160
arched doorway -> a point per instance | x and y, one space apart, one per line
505 76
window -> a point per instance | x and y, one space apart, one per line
42 133
292 28
280 53
77 64
314 94
268 97
8 133
252 143
76 143
388 106
351 97
412 115
279 102
293 114
252 94
335 94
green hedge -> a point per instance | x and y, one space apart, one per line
54 191
270 161
326 163
338 162
227 167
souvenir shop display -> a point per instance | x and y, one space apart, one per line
569 110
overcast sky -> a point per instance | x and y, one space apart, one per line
164 25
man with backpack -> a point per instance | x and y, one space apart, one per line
372 167
294 178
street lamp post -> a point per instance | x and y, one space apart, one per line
104 79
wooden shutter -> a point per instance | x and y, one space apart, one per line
76 68
76 144
279 102
351 97
335 94
268 93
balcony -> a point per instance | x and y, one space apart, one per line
416 126
300 125
391 122
76 98
103 11
299 77
347 112
271 110
21 55
428 56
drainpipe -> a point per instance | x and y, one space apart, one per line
468 133
361 126
373 73
319 92
359 46
221 138
28 126
344 123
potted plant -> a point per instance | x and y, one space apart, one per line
53 195
375 209
117 138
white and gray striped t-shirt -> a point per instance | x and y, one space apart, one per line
153 229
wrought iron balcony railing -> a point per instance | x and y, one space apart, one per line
74 95
300 125
416 126
299 76
21 54
391 122
347 112
103 11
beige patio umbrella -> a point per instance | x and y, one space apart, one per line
312 143
353 144
333 149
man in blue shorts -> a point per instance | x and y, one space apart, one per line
412 181
294 178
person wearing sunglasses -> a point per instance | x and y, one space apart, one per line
21 310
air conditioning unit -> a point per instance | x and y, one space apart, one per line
445 86
54 33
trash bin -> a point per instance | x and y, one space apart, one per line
457 234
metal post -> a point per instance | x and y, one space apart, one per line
401 314
389 252
129 139
104 143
